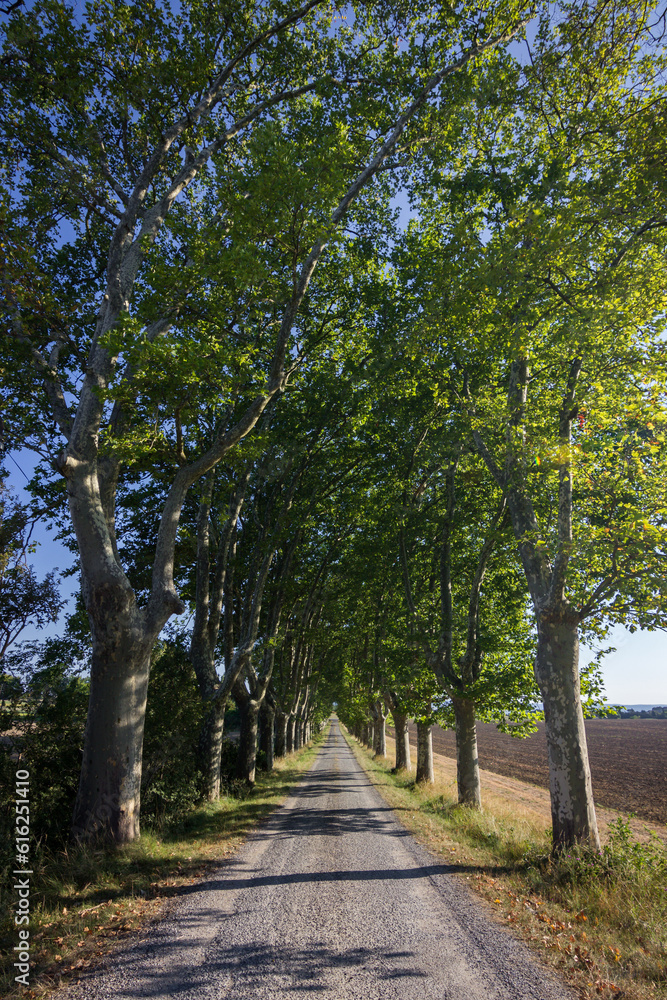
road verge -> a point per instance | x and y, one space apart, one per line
87 901
599 920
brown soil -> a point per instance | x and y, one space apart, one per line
628 761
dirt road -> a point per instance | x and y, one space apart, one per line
331 898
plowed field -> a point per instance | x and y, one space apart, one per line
628 760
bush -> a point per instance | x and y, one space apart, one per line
47 721
622 859
46 726
622 886
171 778
48 741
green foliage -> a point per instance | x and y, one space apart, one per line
623 859
538 240
48 739
46 726
10 687
23 598
171 779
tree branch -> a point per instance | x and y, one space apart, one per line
567 410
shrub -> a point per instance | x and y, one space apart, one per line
622 859
622 886
171 778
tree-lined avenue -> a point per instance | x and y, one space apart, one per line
330 897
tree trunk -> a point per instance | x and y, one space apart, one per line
467 760
380 738
297 734
281 734
210 747
403 761
289 740
557 673
247 759
108 800
557 660
424 754
267 718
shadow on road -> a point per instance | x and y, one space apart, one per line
254 966
229 882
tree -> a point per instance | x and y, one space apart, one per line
455 606
468 612
24 600
552 288
139 155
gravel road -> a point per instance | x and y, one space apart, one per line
330 898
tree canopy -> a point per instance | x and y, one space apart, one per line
403 469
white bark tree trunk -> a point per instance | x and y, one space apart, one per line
467 761
557 673
281 734
425 773
247 759
557 658
380 730
267 728
210 748
403 761
108 800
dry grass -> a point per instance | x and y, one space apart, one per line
85 901
600 921
503 795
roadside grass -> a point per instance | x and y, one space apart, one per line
599 919
84 901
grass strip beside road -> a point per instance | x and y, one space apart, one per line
599 920
86 901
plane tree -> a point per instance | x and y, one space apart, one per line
127 133
24 599
547 285
452 605
468 607
263 556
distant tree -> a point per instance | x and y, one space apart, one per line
10 687
24 600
